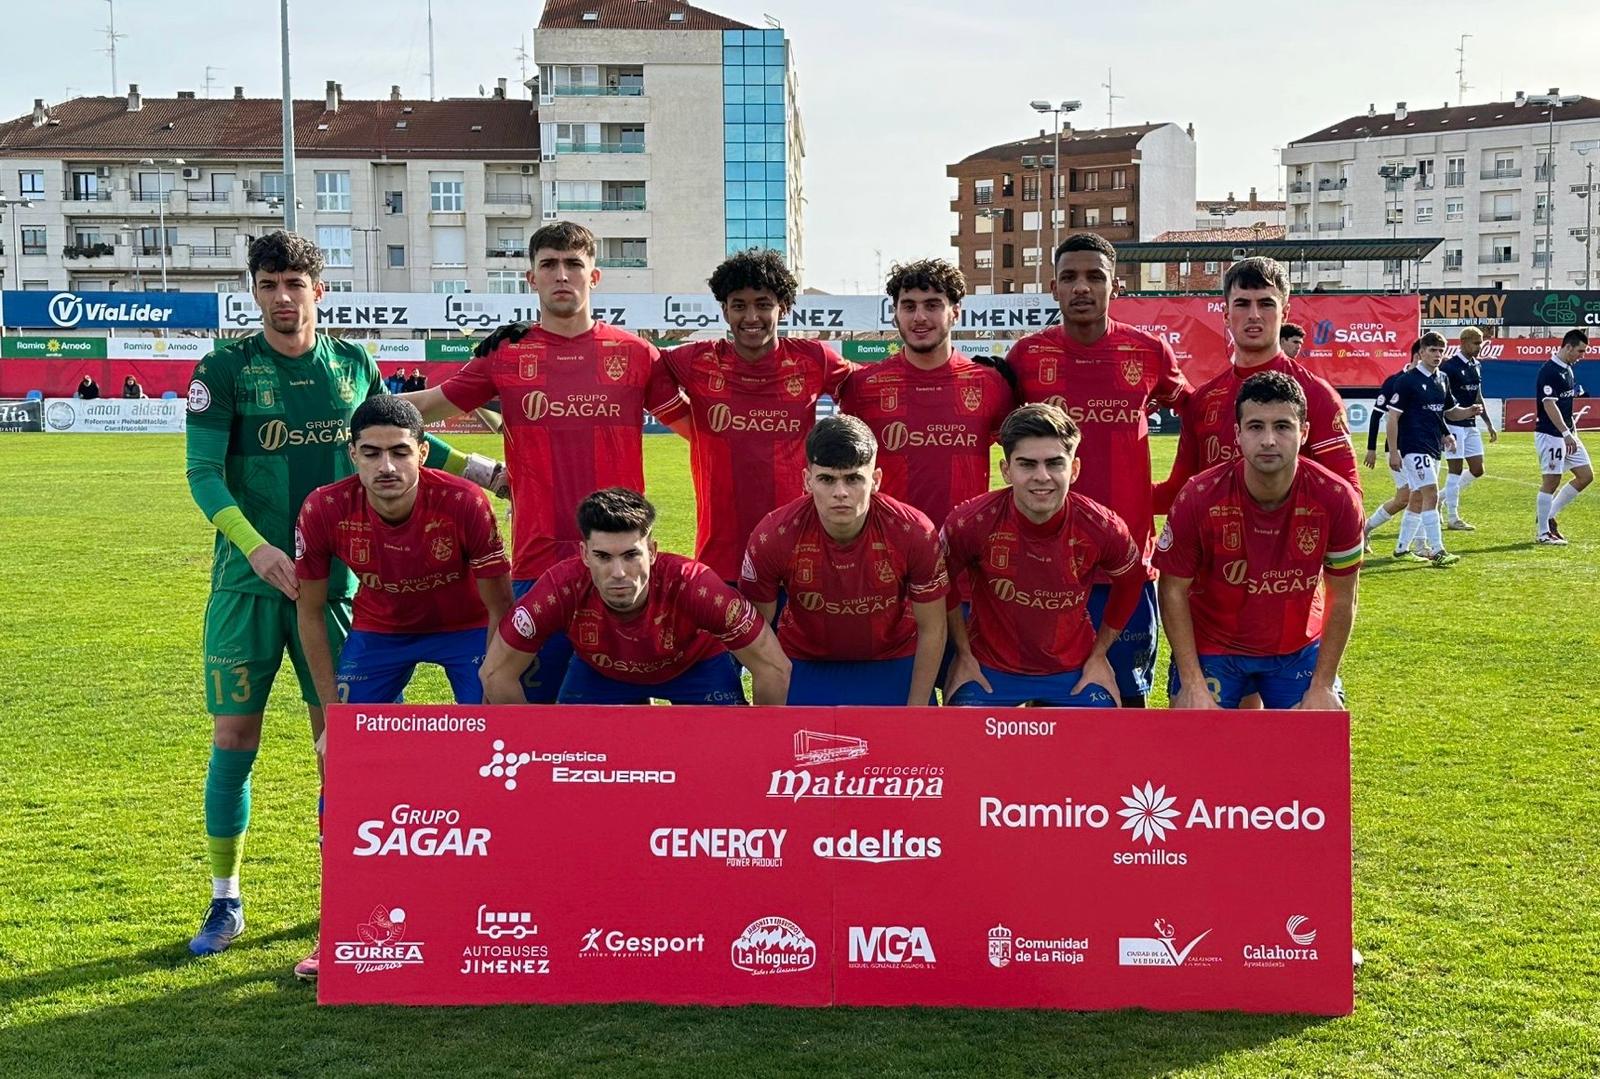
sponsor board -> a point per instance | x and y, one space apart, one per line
53 348
382 943
29 309
21 416
1521 414
1006 947
1564 308
1165 949
158 348
890 946
113 416
773 945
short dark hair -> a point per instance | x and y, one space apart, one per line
1270 388
1038 421
1575 337
1290 330
386 410
1416 347
758 268
1257 271
1085 241
841 442
932 275
562 236
1432 339
615 509
284 252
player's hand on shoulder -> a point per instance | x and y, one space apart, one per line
510 333
276 568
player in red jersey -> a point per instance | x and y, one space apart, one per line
1033 548
753 400
1107 377
573 393
1259 562
865 621
1256 291
643 624
426 549
934 411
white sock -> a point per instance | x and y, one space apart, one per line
224 887
1410 525
1563 499
1452 495
1430 531
1543 517
1376 521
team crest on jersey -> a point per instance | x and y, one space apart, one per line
1048 371
347 391
442 548
589 634
1306 537
794 386
971 397
999 556
1132 370
889 399
361 549
264 395
716 381
1213 410
528 368
1340 423
803 571
666 640
885 573
1232 536
615 367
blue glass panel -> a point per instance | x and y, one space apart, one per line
733 170
774 76
733 56
736 230
733 133
752 114
734 190
734 114
774 55
780 246
775 134
753 75
774 169
733 95
774 113
755 151
754 37
775 211
735 246
736 209
735 151
732 76
774 94
733 37
773 37
775 190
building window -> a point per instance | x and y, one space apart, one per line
1541 208
1119 178
449 245
334 285
983 224
1030 256
1183 269
397 257
1213 267
335 243
30 184
445 193
1424 173
1452 258
1031 220
454 284
1454 209
333 192
1119 215
271 185
1030 187
1091 215
1455 171
504 281
578 195
983 192
982 290
1424 210
394 202
85 186
1091 181
985 260
1058 217
33 241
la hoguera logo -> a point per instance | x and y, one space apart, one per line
773 945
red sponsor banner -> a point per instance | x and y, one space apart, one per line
1521 414
60 378
1530 349
1351 340
1015 858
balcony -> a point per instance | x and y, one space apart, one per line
1541 259
1541 214
1455 179
1544 173
1500 215
1452 265
1330 266
505 253
603 206
1497 258
88 251
1300 187
1302 230
497 205
1506 173
622 264
597 91
599 147
1423 183
1330 226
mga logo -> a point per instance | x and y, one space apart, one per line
1162 949
773 945
383 944
1306 537
891 946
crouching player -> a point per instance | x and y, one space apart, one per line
1259 561
643 624
424 546
865 620
1032 549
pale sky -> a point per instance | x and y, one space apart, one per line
890 93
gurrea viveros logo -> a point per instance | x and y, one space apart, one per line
383 944
773 945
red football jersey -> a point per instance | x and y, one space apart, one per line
574 418
689 615
1207 436
1108 388
416 576
1030 582
1257 574
847 602
934 428
750 427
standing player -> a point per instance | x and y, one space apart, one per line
934 412
1032 549
574 393
753 399
1556 437
1291 338
1107 377
427 551
1464 375
268 416
643 624
1418 434
1402 494
865 621
1259 561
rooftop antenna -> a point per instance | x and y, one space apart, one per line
523 57
111 42
209 80
432 90
1461 70
1111 99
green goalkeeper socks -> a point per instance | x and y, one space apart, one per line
228 809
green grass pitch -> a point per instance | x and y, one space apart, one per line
1475 740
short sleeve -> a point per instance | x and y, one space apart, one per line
1178 548
720 611
541 612
474 385
486 551
926 579
313 542
762 573
662 398
1346 532
211 396
1118 553
1171 387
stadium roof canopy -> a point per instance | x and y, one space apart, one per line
1365 250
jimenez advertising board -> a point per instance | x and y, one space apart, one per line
809 857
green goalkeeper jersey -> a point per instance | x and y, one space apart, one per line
264 431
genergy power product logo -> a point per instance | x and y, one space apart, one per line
812 778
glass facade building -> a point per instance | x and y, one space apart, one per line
755 85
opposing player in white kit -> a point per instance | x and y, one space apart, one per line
1556 436
1464 375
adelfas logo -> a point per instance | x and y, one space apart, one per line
504 765
885 846
382 944
422 833
1162 950
1006 947
895 781
512 957
619 944
773 945
538 405
877 947
739 848
1299 950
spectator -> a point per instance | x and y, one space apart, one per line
397 381
417 381
131 388
88 389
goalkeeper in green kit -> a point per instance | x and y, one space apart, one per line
268 422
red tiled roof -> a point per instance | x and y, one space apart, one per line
1244 234
1451 118
632 15
102 127
1080 142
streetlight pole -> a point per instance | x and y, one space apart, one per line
1552 101
290 218
1037 165
161 207
1055 179
366 252
991 213
1587 193
1395 177
15 204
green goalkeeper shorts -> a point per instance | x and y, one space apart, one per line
245 635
